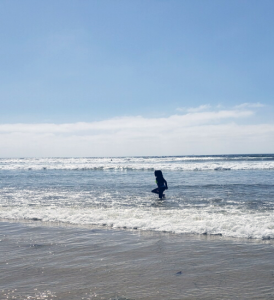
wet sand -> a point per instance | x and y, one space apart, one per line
47 261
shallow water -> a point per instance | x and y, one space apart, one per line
56 262
228 195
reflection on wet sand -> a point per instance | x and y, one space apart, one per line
54 262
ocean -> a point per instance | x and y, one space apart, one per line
83 211
228 195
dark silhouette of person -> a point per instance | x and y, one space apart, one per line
161 182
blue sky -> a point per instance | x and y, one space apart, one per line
98 62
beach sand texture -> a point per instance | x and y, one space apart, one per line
41 261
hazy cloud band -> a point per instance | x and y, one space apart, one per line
209 132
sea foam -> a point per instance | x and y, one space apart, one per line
137 163
226 222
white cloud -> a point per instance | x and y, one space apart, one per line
194 109
127 123
205 132
249 105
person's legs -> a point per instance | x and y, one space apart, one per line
156 191
161 191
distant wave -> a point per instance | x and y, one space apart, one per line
140 167
174 163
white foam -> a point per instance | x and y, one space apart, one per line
229 222
137 163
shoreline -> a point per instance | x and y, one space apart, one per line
195 236
72 262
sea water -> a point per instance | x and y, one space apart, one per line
225 195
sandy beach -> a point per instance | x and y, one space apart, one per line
51 261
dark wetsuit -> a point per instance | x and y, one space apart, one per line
162 186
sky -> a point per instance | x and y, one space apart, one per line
133 78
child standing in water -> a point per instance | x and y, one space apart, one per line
161 182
